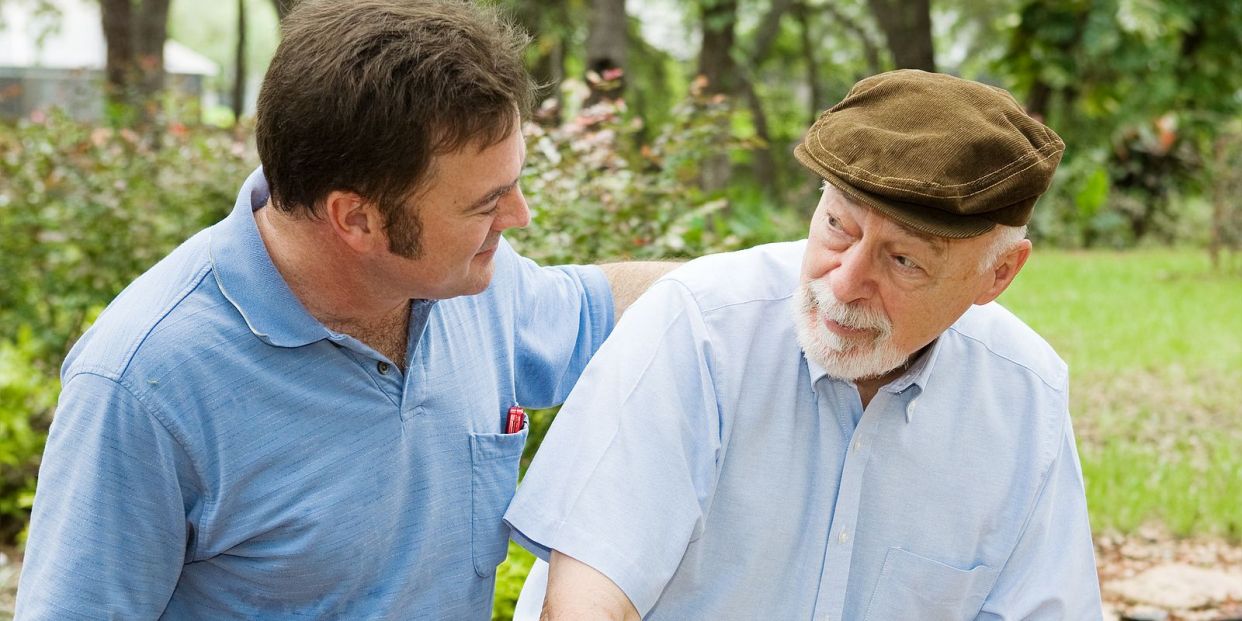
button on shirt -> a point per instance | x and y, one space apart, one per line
712 472
217 453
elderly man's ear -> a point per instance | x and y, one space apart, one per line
1005 270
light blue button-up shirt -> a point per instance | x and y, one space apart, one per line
711 472
217 453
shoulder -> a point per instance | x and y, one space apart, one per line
994 333
1011 382
169 314
768 272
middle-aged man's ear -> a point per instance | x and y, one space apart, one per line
1005 270
355 220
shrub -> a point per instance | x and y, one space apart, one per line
83 211
596 194
26 400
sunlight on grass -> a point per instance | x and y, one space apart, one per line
1154 343
1119 311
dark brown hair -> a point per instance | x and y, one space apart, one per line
361 95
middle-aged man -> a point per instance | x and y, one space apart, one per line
304 411
845 427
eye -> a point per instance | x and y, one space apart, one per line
905 262
834 222
489 209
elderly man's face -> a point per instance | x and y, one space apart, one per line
874 292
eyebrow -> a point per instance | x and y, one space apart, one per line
493 195
939 244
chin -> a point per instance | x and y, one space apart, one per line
842 359
478 283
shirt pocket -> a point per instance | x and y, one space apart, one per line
913 587
494 459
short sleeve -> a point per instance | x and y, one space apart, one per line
1051 573
625 475
563 315
109 532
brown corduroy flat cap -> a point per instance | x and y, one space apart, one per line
940 154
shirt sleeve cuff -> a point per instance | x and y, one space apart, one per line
598 298
540 534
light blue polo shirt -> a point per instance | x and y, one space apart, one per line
217 453
711 472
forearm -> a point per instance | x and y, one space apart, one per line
577 591
631 278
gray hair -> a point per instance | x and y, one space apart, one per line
1004 238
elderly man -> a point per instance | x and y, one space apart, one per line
845 427
309 410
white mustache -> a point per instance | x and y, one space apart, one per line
850 316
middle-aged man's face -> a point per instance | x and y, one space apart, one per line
873 292
470 198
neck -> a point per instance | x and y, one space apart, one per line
331 280
869 386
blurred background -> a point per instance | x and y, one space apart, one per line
666 130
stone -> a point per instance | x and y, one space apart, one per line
1178 586
1145 614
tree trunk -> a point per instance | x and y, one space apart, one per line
766 172
1039 100
118 38
907 28
547 23
716 64
152 27
239 95
812 64
716 55
765 169
239 64
135 32
548 72
606 50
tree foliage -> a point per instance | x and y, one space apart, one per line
83 211
1139 89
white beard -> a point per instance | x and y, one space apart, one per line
847 359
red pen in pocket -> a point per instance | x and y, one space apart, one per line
517 419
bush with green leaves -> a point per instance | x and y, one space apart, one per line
596 194
83 211
26 399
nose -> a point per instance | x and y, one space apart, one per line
852 279
514 212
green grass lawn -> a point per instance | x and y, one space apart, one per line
1154 343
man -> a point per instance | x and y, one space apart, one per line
898 447
304 411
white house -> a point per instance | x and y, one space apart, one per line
59 59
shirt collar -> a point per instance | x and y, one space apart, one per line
249 280
918 374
